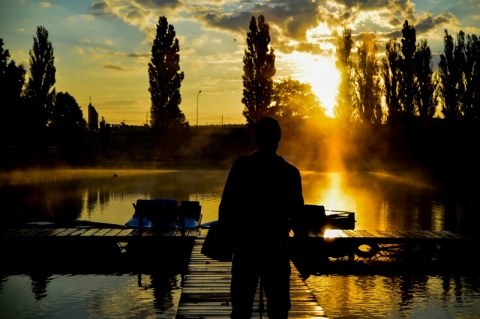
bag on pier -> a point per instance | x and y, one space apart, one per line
217 244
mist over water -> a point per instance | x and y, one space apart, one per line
380 200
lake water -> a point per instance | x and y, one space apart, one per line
380 201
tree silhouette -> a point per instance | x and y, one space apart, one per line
368 106
424 97
471 71
259 69
407 85
450 73
391 74
344 109
12 80
67 126
293 100
66 112
40 91
39 94
169 125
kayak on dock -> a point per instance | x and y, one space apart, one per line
165 214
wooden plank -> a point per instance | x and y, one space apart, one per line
335 233
67 232
90 232
101 232
58 232
78 232
125 232
422 234
206 291
366 233
449 234
389 233
377 234
353 233
114 232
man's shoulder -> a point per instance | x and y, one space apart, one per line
290 166
255 158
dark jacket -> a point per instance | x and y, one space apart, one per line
262 201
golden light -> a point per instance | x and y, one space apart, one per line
332 233
332 193
320 72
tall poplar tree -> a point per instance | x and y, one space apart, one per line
344 106
169 126
259 69
40 91
424 99
407 85
450 73
471 98
391 73
368 81
39 94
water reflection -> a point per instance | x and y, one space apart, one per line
406 296
90 296
379 201
39 284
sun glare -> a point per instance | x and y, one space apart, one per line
320 72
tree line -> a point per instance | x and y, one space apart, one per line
396 91
402 86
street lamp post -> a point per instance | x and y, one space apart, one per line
196 151
196 139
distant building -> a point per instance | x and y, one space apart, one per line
92 118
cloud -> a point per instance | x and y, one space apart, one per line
79 51
108 65
137 55
45 5
427 22
140 13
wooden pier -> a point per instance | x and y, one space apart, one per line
206 291
108 245
85 249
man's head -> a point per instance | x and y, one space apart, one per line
267 133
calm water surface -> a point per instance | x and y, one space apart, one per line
380 201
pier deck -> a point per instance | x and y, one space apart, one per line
334 245
206 291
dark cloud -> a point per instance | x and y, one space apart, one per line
287 20
155 4
99 8
129 55
104 7
292 18
428 23
237 23
137 55
364 4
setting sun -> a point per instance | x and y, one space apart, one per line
320 72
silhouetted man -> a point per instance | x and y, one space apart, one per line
261 202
